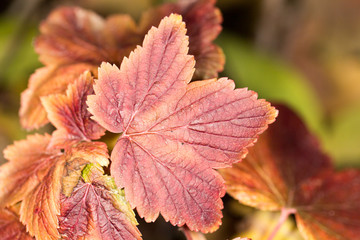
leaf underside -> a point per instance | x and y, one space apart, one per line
287 169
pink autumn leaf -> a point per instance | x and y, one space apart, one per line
174 133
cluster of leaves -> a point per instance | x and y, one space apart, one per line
173 135
174 132
73 40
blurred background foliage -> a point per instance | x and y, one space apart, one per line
303 53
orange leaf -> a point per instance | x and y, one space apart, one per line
74 35
29 161
174 133
45 81
40 208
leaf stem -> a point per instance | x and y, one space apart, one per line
285 213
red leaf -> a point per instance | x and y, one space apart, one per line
11 228
96 209
287 169
174 133
69 115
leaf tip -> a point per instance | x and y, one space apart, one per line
175 17
106 66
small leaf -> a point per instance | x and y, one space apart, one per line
97 209
286 168
174 133
45 81
41 207
29 161
68 113
11 228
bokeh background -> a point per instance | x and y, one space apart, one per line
304 53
